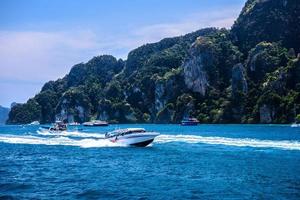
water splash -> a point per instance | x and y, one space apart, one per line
71 134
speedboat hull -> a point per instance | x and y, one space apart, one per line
139 139
142 144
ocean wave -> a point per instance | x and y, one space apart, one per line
239 142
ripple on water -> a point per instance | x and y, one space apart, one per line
95 194
14 186
204 162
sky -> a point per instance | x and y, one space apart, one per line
40 40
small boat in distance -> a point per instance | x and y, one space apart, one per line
35 123
95 123
58 126
132 136
189 121
295 125
73 124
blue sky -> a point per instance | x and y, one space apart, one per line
40 40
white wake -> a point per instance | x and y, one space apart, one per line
70 134
88 140
60 140
239 142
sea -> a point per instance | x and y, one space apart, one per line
183 162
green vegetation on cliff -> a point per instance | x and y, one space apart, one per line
249 74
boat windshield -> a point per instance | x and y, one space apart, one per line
124 132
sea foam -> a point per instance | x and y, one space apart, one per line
59 140
239 142
70 134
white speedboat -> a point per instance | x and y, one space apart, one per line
58 127
132 136
35 123
95 123
295 125
74 124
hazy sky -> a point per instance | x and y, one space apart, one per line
41 40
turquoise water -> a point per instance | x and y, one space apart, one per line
201 162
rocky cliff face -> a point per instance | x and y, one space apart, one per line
239 82
160 101
194 75
265 58
276 81
74 106
265 114
201 57
167 89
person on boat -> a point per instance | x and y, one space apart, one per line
59 126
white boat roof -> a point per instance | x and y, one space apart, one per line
135 129
125 130
129 129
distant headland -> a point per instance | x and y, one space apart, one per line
248 74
